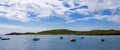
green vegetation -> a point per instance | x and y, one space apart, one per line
70 32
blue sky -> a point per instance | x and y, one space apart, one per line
39 15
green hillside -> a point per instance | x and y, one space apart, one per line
70 32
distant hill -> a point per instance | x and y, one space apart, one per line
70 32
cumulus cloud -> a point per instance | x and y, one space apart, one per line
21 10
27 10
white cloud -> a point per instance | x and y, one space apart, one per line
18 9
115 18
81 19
44 8
4 29
13 13
14 28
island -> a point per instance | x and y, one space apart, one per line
70 32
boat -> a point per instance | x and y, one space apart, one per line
102 40
36 39
61 37
82 37
4 38
73 40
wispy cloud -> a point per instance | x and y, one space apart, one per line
5 28
98 17
80 19
14 28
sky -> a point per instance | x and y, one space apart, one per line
40 15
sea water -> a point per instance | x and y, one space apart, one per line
54 42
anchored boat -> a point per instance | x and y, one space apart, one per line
4 38
73 40
102 40
36 39
61 37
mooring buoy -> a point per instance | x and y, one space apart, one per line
36 39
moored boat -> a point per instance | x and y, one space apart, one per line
102 40
73 40
36 39
61 37
4 38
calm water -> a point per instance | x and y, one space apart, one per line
53 42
